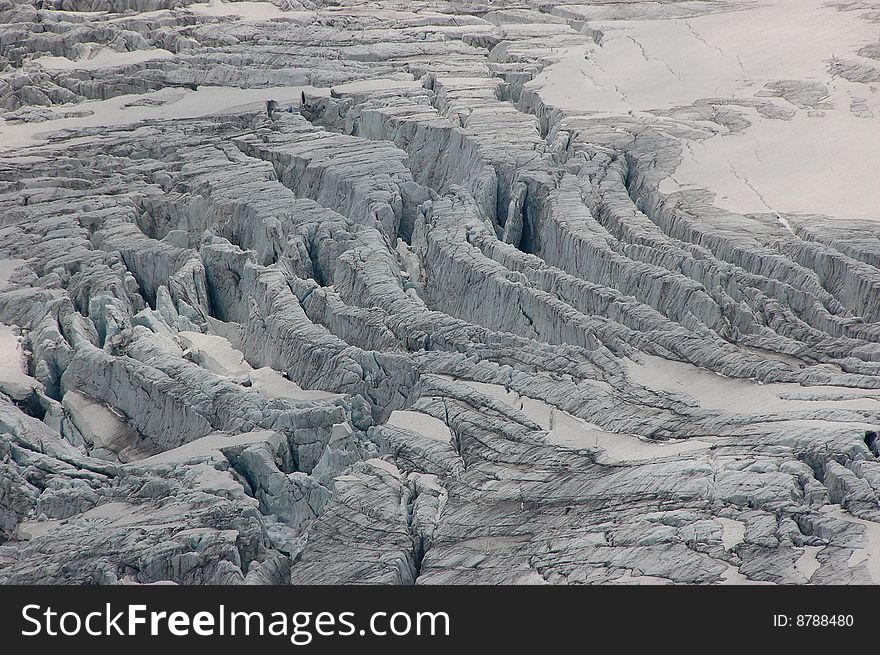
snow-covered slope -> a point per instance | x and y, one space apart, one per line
450 293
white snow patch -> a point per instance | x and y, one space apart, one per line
256 11
385 466
732 532
210 479
14 380
271 384
714 391
99 426
31 529
104 58
7 268
822 161
215 353
209 447
572 432
732 576
424 424
807 564
170 103
869 553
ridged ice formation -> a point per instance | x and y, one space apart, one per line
414 323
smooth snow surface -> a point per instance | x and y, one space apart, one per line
216 354
572 432
732 532
712 391
255 11
7 268
104 58
869 552
166 103
209 447
807 564
422 423
14 379
822 160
